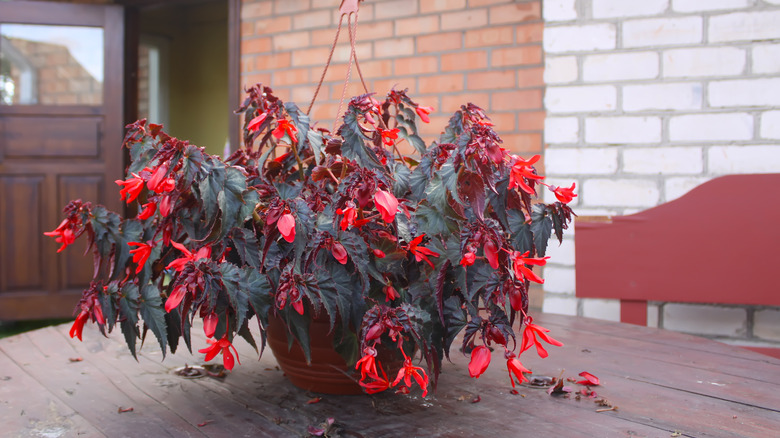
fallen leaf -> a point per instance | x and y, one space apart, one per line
559 389
477 399
675 434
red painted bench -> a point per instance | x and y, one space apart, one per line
719 243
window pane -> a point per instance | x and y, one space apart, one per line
51 65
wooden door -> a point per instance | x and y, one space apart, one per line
61 127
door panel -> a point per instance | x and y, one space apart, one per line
61 128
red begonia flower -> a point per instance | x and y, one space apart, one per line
156 181
255 123
140 254
564 194
377 384
210 324
63 233
590 379
367 363
378 253
78 324
386 204
339 252
468 259
175 298
286 226
491 254
165 206
350 215
523 272
421 252
179 263
522 170
222 346
148 210
423 112
480 359
514 366
530 332
389 136
390 293
130 188
409 371
284 126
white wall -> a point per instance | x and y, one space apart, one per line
645 100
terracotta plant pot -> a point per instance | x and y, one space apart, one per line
327 373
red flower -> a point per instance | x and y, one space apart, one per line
339 252
350 215
210 324
468 259
78 324
514 366
530 332
63 233
156 180
523 169
255 123
563 194
179 263
491 254
390 292
523 272
387 205
480 359
165 206
148 211
367 363
175 298
140 254
423 112
285 127
286 226
378 253
130 188
420 253
378 384
223 346
409 371
590 379
389 136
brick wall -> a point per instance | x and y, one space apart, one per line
647 99
446 52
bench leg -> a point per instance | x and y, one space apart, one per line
633 312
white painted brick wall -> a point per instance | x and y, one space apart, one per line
627 8
674 96
770 124
766 324
663 160
707 5
622 130
559 10
620 67
601 309
744 159
560 69
561 129
711 127
711 61
620 193
647 100
662 31
766 58
745 92
705 320
580 38
745 26
580 99
575 161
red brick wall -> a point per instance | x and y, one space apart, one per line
446 52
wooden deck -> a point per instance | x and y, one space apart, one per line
661 383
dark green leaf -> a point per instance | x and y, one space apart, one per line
402 180
346 344
354 146
245 243
128 315
153 314
541 227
